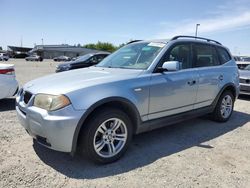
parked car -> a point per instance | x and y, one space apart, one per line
242 64
20 55
62 58
8 83
142 86
245 80
4 57
245 58
34 58
82 62
237 58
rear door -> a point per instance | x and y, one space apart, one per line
207 65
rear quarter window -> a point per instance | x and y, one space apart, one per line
223 55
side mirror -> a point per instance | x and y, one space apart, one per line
170 66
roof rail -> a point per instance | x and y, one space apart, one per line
132 41
193 37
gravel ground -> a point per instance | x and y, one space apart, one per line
195 153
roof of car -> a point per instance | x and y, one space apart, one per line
183 38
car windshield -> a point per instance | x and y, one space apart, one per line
83 58
246 59
133 56
247 68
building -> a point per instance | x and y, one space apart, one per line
2 51
51 51
17 51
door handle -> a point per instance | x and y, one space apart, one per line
191 82
221 77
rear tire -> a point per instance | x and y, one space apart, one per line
224 107
106 135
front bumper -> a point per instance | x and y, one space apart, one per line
54 130
59 69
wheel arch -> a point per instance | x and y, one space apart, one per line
228 87
117 102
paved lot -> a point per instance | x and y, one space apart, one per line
195 153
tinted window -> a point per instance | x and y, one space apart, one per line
93 59
100 57
96 58
224 56
246 59
205 56
182 54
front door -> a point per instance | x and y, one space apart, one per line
174 92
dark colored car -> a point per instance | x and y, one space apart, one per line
34 58
20 55
62 58
82 62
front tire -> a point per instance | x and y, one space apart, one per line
224 107
106 135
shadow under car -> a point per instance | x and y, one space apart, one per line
145 148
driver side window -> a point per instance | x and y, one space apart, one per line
181 53
93 60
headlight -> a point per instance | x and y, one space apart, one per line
51 102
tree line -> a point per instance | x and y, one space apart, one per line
103 46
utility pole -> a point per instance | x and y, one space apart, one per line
42 41
21 41
196 31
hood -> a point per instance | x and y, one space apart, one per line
244 74
70 63
65 82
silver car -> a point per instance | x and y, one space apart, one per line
4 57
142 86
245 80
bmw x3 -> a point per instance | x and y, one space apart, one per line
142 86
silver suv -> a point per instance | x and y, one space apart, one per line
142 86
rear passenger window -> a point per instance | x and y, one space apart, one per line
182 54
205 56
223 55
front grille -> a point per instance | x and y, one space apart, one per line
26 97
244 81
245 88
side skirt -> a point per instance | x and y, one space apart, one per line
169 120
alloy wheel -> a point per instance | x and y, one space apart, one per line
226 106
110 137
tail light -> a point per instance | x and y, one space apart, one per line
7 71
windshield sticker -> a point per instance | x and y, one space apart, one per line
156 44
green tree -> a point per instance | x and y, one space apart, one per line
102 46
